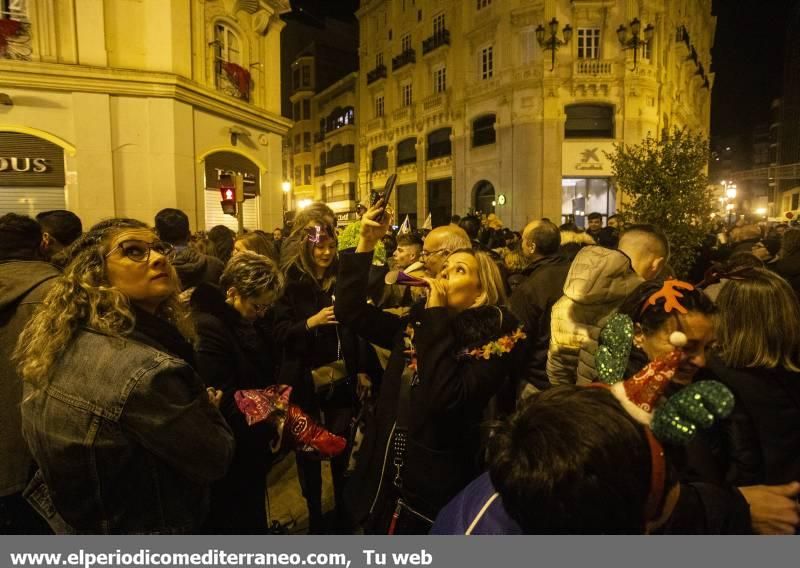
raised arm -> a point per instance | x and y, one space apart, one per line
352 309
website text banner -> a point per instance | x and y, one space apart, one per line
396 552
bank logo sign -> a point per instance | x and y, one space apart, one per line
581 158
29 161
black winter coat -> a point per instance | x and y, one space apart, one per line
532 302
302 349
233 354
789 269
760 442
447 403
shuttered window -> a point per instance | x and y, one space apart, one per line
31 200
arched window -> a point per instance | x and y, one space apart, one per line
380 159
230 75
407 151
483 130
484 197
439 143
589 121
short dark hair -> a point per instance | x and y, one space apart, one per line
595 215
62 225
614 216
172 225
652 317
546 237
455 219
572 461
20 237
608 237
471 225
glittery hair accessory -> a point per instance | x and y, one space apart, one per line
614 349
671 294
317 235
694 407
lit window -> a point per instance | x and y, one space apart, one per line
486 63
440 80
588 43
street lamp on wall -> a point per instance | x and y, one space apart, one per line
552 42
635 41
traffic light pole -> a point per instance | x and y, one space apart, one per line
239 181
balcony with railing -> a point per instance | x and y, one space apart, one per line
594 68
378 73
438 39
403 114
433 103
408 56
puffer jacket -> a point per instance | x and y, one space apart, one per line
597 283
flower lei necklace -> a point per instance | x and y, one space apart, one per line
497 348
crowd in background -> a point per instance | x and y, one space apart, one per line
453 361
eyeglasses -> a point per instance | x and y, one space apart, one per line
424 254
139 251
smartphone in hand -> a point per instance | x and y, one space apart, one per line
387 193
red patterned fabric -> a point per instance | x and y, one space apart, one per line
295 427
239 76
8 28
646 387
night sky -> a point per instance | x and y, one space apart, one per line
748 62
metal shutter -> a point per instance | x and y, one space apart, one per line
31 200
215 216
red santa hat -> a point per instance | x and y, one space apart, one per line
640 394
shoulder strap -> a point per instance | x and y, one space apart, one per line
400 437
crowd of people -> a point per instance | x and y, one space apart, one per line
467 379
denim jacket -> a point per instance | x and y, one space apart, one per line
125 439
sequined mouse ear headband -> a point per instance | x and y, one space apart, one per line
671 294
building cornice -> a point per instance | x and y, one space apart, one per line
128 82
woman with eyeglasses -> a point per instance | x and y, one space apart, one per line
321 358
233 352
126 436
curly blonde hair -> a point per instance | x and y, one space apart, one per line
83 297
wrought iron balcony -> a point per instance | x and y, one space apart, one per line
408 56
438 39
378 73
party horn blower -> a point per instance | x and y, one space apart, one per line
400 277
